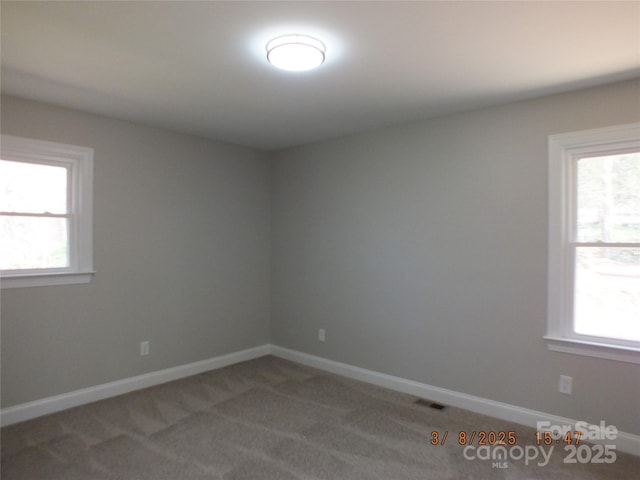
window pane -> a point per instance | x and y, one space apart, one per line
609 198
33 242
607 292
32 188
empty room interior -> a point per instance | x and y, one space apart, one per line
413 254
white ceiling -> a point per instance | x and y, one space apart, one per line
200 67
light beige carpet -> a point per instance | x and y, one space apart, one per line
270 419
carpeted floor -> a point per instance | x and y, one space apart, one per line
270 419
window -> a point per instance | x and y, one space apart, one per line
45 213
594 243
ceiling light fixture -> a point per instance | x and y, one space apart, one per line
295 53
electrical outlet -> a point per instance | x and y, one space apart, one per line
565 385
321 335
144 348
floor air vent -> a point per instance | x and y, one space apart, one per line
429 403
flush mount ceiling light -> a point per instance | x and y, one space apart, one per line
295 53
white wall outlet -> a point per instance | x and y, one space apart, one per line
322 335
144 348
565 385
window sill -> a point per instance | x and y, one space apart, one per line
593 349
45 279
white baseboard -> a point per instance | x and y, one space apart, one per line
625 442
37 408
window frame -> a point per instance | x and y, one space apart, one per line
79 161
564 150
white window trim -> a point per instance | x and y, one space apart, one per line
80 161
563 149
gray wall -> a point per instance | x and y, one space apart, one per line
422 251
181 247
